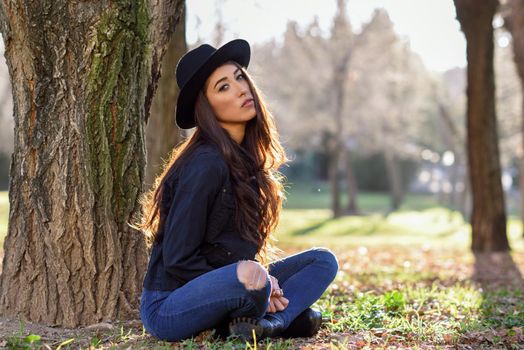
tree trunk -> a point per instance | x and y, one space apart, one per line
488 218
514 22
394 179
352 188
162 133
339 76
333 170
83 76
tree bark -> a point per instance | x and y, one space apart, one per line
162 133
488 217
83 75
514 22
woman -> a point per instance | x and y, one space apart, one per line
212 210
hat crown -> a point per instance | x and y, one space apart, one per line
191 62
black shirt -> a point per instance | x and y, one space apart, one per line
197 223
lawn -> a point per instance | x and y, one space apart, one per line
406 280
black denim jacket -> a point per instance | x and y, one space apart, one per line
198 230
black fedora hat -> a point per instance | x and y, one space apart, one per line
194 68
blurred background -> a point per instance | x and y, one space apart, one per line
369 98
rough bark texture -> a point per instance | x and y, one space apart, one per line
162 133
514 22
488 217
83 75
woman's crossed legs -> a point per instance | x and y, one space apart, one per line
239 289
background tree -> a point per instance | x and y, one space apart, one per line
348 87
83 76
340 50
514 21
488 218
389 92
162 133
450 101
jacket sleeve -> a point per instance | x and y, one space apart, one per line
199 182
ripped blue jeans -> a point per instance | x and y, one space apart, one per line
218 296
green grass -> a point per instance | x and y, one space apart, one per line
431 227
404 280
432 313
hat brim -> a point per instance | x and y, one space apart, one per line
237 50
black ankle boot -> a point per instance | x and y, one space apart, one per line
244 327
306 324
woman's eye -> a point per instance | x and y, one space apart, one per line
223 87
240 77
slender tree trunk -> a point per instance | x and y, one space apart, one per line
352 188
394 179
334 157
352 207
339 82
488 217
83 76
514 22
162 133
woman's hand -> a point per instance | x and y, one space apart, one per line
277 302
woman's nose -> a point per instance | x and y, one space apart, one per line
242 90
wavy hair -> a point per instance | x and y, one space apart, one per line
257 159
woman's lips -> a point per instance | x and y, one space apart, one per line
248 103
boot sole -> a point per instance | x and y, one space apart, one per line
243 327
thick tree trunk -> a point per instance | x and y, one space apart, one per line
162 133
514 22
488 217
83 75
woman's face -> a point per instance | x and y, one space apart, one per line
229 95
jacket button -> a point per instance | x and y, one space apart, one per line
228 253
224 190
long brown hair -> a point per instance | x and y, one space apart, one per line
257 159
